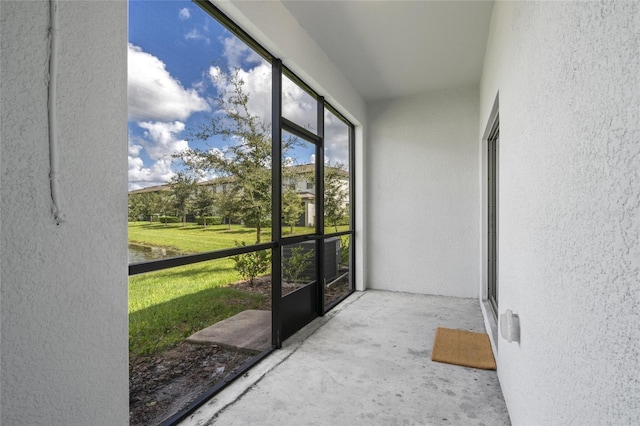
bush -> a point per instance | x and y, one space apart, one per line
211 220
345 250
169 219
252 224
250 265
295 265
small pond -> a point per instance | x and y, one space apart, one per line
145 253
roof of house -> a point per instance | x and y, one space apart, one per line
298 169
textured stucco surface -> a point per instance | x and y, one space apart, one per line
568 75
64 288
422 192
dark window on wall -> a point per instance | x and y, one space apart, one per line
492 217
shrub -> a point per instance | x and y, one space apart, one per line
169 219
294 265
345 250
250 265
211 220
253 224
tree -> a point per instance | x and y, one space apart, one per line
203 203
144 205
247 158
135 211
165 204
336 193
292 207
226 205
182 188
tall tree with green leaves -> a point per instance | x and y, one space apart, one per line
203 203
182 189
292 207
336 194
135 212
144 205
247 157
226 205
165 204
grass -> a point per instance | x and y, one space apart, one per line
196 239
192 238
167 306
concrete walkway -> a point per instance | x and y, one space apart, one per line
367 362
250 329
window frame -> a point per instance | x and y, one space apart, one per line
278 124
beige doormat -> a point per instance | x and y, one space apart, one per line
464 348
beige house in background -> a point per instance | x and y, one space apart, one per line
300 182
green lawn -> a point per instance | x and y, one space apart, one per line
193 238
196 239
169 305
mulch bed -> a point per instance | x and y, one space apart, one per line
162 385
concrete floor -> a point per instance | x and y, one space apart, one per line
366 362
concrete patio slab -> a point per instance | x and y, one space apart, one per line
367 362
249 330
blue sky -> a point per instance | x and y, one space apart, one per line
175 49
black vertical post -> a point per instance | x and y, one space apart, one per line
276 202
320 206
352 206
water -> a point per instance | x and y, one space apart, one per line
144 254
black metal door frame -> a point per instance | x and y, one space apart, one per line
492 217
295 310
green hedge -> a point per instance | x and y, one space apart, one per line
169 219
252 224
211 220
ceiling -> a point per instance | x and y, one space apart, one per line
393 48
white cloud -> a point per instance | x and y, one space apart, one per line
153 94
238 53
257 84
134 150
184 14
336 138
161 139
196 34
140 176
298 106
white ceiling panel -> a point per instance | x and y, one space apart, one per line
391 49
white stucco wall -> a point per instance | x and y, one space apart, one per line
568 75
422 192
63 287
